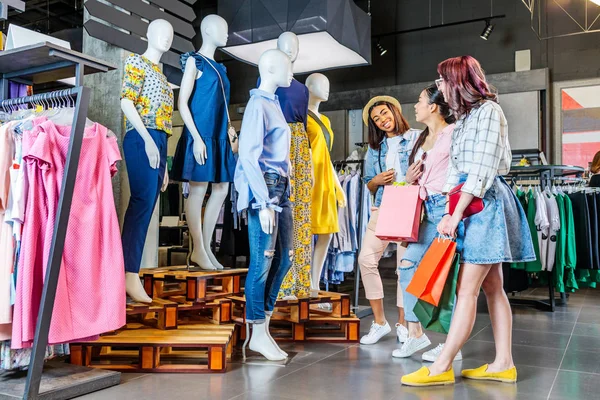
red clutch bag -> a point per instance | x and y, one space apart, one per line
474 207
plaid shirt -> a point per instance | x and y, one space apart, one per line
480 149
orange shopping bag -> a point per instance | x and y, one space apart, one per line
399 214
430 277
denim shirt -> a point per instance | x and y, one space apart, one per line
375 162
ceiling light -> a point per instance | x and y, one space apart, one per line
332 33
381 50
489 27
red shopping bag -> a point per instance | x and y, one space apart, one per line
399 214
430 277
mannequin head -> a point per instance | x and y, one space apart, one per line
160 35
275 69
318 86
288 43
214 29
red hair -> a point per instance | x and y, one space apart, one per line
466 84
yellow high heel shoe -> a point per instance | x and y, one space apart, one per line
422 377
508 376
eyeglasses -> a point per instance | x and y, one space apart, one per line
423 158
438 83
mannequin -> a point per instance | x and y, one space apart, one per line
148 111
294 104
326 190
262 181
204 150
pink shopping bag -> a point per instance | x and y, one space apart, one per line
399 214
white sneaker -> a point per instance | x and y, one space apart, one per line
402 333
433 354
375 333
411 346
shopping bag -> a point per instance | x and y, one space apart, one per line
437 319
399 214
430 277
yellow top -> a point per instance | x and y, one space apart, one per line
324 207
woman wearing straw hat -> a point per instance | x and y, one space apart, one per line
390 144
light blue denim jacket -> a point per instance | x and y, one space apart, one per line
375 162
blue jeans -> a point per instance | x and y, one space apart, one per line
435 207
270 255
145 183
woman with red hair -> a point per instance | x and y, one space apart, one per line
479 156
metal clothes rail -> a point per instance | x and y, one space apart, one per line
35 64
546 174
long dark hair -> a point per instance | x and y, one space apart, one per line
466 83
436 97
376 135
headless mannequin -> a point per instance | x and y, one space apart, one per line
214 34
275 71
318 87
160 38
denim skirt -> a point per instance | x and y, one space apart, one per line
499 233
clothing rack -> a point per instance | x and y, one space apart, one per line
36 64
360 311
546 174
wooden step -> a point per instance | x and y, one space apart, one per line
200 347
197 286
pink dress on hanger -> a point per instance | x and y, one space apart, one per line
90 297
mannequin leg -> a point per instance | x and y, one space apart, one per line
318 260
194 220
217 197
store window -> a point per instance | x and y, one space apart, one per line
581 125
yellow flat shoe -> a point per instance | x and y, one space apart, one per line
422 377
508 376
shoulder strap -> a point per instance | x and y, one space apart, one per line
323 128
222 86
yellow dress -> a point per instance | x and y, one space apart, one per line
324 207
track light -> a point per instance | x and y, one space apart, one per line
489 27
380 48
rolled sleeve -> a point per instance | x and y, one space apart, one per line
488 150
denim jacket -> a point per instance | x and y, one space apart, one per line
375 162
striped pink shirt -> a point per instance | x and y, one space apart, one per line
436 164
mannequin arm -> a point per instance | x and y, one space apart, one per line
185 92
339 191
134 118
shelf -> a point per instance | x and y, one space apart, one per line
556 170
46 62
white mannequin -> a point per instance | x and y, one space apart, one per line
214 34
318 87
275 70
160 38
288 43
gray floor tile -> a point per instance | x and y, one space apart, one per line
575 385
126 377
531 315
590 315
581 361
587 329
544 326
530 338
261 396
585 343
533 356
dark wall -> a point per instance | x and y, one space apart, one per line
414 57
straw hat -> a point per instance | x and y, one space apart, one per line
377 99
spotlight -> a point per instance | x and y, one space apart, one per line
489 27
380 49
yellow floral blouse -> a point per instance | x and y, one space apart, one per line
147 87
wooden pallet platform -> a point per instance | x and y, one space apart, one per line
300 310
170 313
196 286
194 348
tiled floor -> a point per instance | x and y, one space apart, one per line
557 355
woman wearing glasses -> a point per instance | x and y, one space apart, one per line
390 144
499 233
428 168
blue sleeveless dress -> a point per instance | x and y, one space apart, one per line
207 106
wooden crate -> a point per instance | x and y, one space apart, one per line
170 313
197 287
301 310
194 348
318 329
